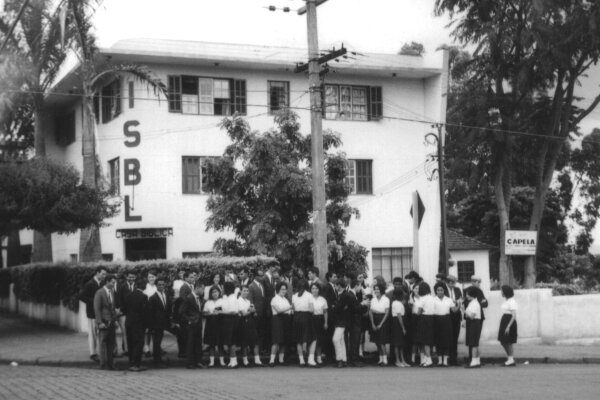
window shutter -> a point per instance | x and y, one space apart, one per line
375 103
174 92
205 88
240 96
131 94
116 98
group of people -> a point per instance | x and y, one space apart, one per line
244 315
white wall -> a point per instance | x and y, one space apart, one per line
481 260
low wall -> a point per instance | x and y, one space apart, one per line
57 315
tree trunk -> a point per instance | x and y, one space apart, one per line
504 220
42 243
90 247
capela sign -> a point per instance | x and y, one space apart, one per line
520 243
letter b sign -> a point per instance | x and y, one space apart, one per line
133 175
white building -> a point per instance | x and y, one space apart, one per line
151 150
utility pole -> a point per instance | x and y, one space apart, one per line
440 143
316 130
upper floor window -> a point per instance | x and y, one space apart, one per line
206 96
114 176
359 103
359 176
64 129
111 101
279 95
194 174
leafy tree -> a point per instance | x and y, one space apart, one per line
261 191
528 57
46 196
412 49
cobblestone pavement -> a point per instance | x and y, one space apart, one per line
524 382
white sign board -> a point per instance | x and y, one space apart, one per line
520 243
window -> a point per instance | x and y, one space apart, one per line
359 176
107 256
65 129
194 175
111 101
195 254
131 94
73 258
466 269
206 96
358 103
279 95
114 176
392 262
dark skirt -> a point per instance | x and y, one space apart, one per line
247 333
302 327
318 328
411 327
424 332
397 338
212 330
229 329
443 332
380 336
281 328
473 332
512 333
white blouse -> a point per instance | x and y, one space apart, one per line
279 303
302 303
379 306
442 306
397 309
243 305
473 310
177 286
427 304
211 305
230 304
150 290
319 305
509 305
416 303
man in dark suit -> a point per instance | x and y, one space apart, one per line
86 295
256 295
159 306
185 291
355 311
106 321
313 277
121 294
330 294
269 281
191 320
137 309
244 277
455 294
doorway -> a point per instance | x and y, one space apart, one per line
145 249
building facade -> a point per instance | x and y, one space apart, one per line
151 149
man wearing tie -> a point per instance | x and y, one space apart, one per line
256 295
106 316
191 319
160 319
331 295
137 305
455 294
244 277
185 291
122 293
87 296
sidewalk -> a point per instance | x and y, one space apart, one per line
32 343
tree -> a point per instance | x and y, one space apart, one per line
412 49
261 191
46 196
528 57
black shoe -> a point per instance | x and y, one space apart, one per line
94 357
357 364
340 364
148 354
272 364
200 365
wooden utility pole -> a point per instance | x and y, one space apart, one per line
446 255
316 129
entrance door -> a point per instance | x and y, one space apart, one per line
145 249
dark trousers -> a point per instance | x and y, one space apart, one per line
157 337
179 333
266 330
135 342
455 319
108 343
260 331
354 342
194 343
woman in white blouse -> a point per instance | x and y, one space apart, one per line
212 327
379 317
149 292
280 322
230 320
473 329
442 323
247 329
398 335
319 325
424 335
507 334
302 325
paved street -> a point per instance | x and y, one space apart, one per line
546 382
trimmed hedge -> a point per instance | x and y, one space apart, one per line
60 283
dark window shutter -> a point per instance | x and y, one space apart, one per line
65 129
375 103
364 177
239 96
174 93
131 95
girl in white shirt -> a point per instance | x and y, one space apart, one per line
424 333
319 325
473 330
442 324
413 303
398 329
379 317
280 322
230 315
212 328
149 292
247 329
507 334
302 320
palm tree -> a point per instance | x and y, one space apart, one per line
91 75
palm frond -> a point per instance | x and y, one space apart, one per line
141 73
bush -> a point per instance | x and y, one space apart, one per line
60 283
567 289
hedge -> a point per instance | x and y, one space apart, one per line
60 283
